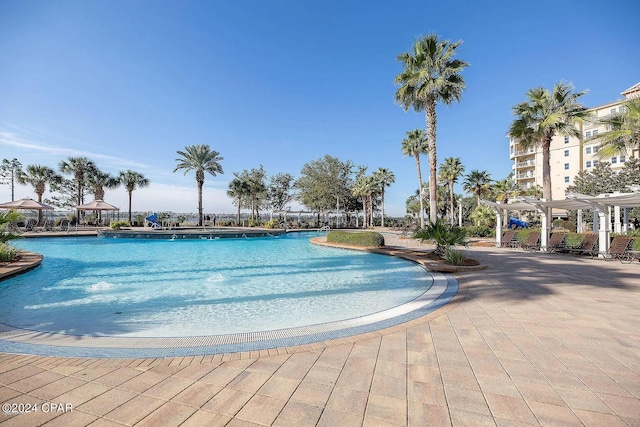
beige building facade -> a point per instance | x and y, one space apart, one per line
569 155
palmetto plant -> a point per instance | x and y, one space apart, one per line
132 180
444 235
413 145
431 75
199 158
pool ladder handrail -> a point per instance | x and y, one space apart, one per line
324 228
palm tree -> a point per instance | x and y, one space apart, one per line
366 187
544 115
38 176
132 180
97 182
384 178
200 158
238 190
624 130
430 75
477 182
450 171
503 190
414 145
79 167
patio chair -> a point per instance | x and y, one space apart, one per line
30 225
532 243
618 249
509 239
556 242
588 246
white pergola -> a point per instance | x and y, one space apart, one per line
601 205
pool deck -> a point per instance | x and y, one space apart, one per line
536 339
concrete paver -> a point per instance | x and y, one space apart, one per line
536 339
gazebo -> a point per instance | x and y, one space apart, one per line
601 205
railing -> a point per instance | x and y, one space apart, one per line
325 228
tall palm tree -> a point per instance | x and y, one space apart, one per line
623 130
544 115
413 145
450 171
38 176
366 187
384 178
132 180
430 75
79 167
200 158
477 182
238 190
503 190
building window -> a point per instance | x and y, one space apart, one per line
588 134
566 139
588 150
566 153
614 160
566 166
566 179
595 132
622 158
588 163
595 149
613 111
595 163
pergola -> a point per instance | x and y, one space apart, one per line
601 205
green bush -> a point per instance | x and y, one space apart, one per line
574 239
274 223
635 244
8 253
254 223
480 231
117 225
443 235
358 238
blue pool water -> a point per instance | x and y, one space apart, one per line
162 288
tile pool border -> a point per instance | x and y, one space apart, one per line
13 340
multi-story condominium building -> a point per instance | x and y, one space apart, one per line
569 155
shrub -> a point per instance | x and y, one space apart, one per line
359 238
635 245
443 235
8 253
254 223
117 225
574 239
480 231
274 223
453 256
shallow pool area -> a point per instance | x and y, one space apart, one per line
145 288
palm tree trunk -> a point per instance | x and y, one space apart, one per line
130 197
430 109
451 202
382 212
420 190
200 184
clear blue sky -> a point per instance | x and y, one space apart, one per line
281 83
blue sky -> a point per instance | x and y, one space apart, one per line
281 83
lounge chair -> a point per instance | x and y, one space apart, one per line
509 239
588 246
532 243
556 242
618 249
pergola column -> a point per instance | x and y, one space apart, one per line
617 226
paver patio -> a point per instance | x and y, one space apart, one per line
536 339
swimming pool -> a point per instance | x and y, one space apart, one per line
148 288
